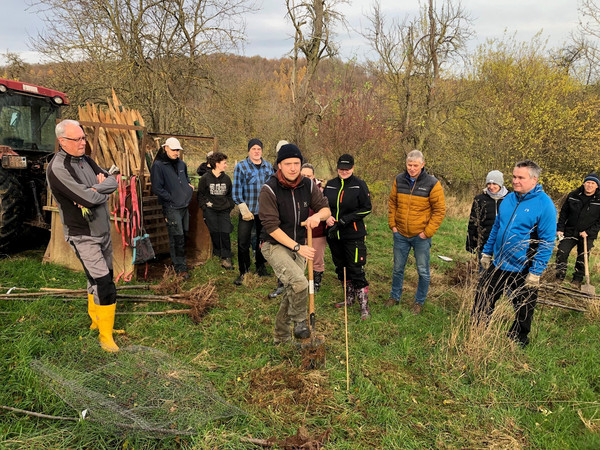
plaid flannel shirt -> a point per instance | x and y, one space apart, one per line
247 181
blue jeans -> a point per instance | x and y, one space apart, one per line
402 246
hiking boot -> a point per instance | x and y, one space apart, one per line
301 330
576 284
278 290
317 278
416 309
391 302
261 271
226 264
239 280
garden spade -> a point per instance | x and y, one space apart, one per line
313 349
587 288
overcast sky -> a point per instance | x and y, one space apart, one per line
269 34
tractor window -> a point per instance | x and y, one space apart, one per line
27 123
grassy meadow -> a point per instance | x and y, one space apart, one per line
427 381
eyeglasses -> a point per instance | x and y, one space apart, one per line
79 139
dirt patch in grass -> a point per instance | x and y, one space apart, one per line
285 389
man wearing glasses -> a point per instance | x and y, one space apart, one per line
81 190
171 184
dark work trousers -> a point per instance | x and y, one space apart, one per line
96 256
245 241
562 256
178 225
492 284
219 225
351 254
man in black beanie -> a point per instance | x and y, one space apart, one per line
284 203
579 219
248 178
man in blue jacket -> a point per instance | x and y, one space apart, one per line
171 184
521 243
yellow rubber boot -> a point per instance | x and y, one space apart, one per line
92 312
106 321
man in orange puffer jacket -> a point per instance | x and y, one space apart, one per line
416 208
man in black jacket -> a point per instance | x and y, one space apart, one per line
283 205
579 219
171 184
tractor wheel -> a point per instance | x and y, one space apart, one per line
11 209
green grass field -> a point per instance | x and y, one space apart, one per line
426 381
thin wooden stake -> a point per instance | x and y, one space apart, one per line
346 326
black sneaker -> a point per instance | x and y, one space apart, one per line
261 271
301 330
239 280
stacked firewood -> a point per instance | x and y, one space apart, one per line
114 146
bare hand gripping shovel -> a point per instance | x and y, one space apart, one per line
313 348
587 288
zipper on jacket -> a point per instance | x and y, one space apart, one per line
295 214
339 201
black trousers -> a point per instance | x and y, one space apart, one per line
245 241
562 256
492 284
351 254
219 225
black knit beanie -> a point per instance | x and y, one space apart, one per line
288 151
253 142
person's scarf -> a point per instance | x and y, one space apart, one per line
498 195
286 183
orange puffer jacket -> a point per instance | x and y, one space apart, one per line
418 208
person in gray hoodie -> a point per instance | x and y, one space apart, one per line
81 190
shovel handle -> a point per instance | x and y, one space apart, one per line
311 283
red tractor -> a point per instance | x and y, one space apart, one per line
28 116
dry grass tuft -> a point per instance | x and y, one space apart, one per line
456 207
591 424
480 347
593 309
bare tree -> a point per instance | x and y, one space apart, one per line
152 49
411 57
313 22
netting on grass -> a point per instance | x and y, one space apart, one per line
139 388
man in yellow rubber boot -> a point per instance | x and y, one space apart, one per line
81 190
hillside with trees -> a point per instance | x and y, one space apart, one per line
467 111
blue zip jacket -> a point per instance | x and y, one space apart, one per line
523 234
171 185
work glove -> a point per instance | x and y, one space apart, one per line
532 281
560 235
245 212
332 231
486 261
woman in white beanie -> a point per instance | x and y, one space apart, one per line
483 212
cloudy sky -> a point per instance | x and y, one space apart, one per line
269 35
